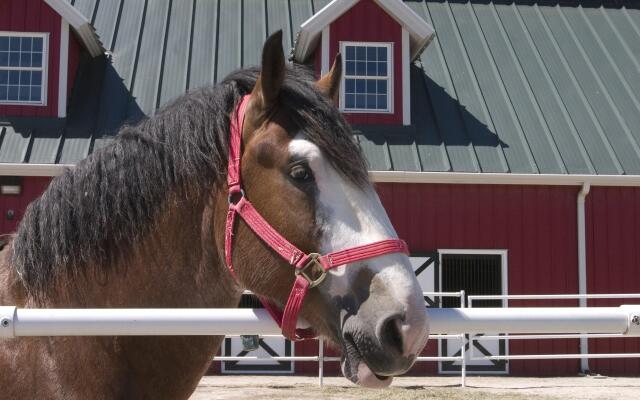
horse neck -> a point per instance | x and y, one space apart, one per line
175 265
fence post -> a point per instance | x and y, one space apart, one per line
321 361
463 371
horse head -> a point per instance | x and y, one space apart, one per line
303 172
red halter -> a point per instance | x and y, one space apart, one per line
310 269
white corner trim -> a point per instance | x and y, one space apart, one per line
324 61
80 24
478 178
63 70
406 79
90 40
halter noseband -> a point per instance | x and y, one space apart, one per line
310 269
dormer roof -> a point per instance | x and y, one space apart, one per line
80 25
420 32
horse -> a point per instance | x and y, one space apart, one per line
141 223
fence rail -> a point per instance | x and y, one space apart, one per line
527 322
633 327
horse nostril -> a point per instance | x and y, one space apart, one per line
390 333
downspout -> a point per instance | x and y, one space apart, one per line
582 266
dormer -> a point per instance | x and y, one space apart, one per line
378 39
40 47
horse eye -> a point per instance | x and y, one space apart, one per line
300 173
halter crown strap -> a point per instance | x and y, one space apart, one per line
310 269
235 144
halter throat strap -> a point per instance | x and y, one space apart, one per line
309 269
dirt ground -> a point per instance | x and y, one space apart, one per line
478 388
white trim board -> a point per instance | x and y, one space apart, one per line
63 70
460 178
324 61
481 178
24 169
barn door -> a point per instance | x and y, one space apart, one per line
481 273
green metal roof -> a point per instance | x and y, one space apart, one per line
515 87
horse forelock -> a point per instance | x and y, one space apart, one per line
98 212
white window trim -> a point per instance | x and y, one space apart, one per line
390 88
63 68
324 60
45 68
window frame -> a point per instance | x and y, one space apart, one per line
504 257
44 69
389 78
504 260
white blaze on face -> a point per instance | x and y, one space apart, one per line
351 216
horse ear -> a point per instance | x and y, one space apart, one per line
265 93
330 83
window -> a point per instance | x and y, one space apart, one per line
367 85
23 67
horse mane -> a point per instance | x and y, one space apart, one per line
96 213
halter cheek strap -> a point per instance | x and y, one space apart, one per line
310 269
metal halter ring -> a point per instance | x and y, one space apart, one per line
316 268
231 195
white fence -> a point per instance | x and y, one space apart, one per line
581 336
444 323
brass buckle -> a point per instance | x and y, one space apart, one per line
317 272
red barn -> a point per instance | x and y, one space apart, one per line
506 147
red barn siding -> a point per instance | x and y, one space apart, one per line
366 22
536 224
34 16
613 254
32 187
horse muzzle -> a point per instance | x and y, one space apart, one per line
382 343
